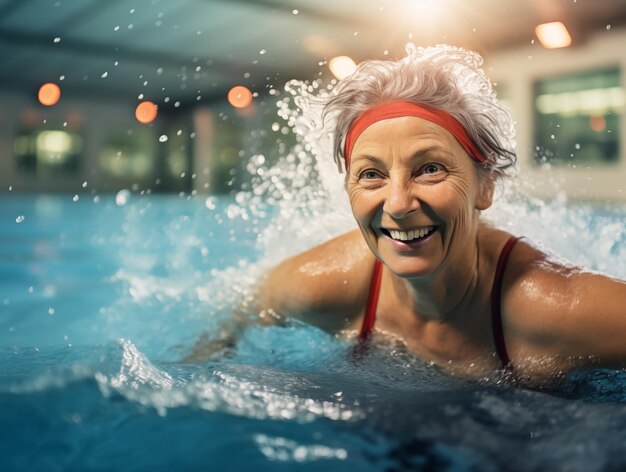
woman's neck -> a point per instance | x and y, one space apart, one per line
449 291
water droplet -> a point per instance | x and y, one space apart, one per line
577 146
162 138
96 199
75 198
233 211
105 75
210 203
57 40
608 27
51 311
117 28
20 218
295 12
122 197
85 184
262 51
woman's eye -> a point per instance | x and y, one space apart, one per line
432 168
370 175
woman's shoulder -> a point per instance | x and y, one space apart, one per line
565 314
325 286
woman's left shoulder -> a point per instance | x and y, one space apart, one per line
561 309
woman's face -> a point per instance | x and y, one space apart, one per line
414 193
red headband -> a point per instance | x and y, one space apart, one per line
401 108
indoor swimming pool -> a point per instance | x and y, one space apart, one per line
102 296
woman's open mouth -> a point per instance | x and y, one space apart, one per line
411 238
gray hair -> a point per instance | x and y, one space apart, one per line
442 77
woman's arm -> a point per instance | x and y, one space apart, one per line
325 286
566 315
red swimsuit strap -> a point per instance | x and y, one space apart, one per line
372 301
496 303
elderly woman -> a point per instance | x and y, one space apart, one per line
424 142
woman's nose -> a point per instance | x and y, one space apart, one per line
400 201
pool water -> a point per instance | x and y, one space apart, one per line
101 298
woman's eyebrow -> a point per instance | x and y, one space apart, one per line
367 157
430 147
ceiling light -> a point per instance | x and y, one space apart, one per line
342 66
49 94
553 35
146 112
240 96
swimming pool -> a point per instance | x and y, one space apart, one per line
102 297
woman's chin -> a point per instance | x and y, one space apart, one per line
409 266
409 269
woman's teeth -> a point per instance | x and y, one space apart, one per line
412 234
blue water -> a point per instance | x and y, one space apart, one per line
100 301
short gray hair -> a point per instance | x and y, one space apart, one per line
442 77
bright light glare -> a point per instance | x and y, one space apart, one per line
58 142
49 94
553 35
240 96
146 112
341 66
428 9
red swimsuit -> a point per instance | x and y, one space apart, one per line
496 302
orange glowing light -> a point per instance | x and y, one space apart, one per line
49 94
240 96
146 112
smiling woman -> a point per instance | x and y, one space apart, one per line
424 142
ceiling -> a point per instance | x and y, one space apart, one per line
192 51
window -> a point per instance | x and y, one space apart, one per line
47 151
577 118
129 155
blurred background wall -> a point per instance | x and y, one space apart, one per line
178 95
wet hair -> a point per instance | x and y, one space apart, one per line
442 77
